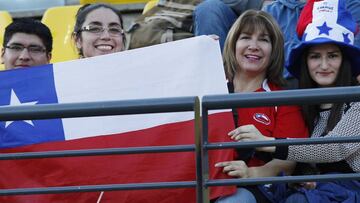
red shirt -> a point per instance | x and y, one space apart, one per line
273 121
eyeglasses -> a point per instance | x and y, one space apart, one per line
97 29
32 49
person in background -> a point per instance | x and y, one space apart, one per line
98 30
217 16
223 13
353 6
286 14
326 57
254 60
27 43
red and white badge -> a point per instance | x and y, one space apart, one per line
262 118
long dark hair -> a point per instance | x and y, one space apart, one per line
82 14
311 112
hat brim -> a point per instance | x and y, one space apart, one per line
294 62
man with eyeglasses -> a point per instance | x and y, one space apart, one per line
27 43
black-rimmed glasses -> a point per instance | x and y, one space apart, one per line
32 49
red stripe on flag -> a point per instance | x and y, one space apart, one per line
118 169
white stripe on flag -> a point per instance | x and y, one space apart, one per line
191 67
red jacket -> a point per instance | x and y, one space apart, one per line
273 121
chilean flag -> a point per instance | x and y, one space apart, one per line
191 67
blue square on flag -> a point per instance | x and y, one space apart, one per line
28 86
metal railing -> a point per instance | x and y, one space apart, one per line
202 145
276 98
126 107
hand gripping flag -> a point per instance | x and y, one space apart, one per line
191 67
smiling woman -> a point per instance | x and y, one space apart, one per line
98 30
254 61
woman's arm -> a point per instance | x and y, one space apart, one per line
251 133
273 168
288 123
349 125
239 169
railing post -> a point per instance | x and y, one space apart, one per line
205 157
198 146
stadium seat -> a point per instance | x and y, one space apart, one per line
61 21
150 4
5 20
113 1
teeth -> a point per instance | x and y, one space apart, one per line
252 57
104 47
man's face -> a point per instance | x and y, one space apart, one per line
24 50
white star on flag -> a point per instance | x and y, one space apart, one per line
14 101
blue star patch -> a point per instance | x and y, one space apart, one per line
324 29
346 38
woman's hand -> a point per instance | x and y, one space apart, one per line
214 37
246 133
237 169
250 133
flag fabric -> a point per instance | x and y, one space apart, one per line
191 67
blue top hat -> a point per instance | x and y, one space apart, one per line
322 22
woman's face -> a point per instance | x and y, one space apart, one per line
101 33
324 63
253 51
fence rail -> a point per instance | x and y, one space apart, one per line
94 188
108 108
276 98
97 152
126 107
202 145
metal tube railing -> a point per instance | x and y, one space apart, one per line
284 97
276 98
97 152
126 107
201 147
109 108
95 188
281 142
282 179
